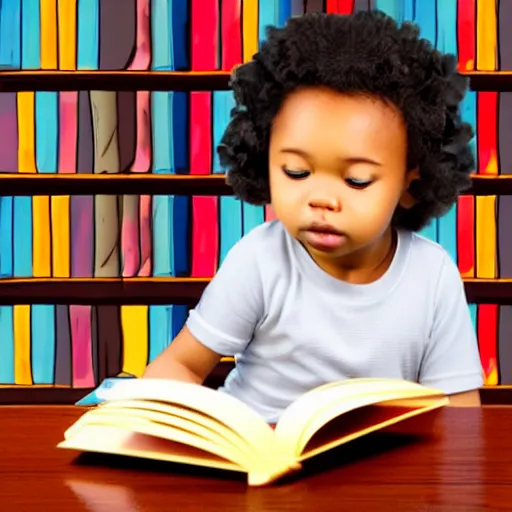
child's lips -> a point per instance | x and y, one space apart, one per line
324 240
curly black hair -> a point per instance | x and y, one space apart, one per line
363 53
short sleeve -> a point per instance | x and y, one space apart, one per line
451 362
224 320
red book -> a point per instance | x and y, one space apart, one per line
487 329
487 129
340 6
205 231
466 31
466 236
231 34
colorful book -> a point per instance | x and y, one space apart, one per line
466 34
10 28
340 6
205 232
46 132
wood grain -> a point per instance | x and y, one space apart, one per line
460 462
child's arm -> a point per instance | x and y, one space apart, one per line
451 361
223 322
184 359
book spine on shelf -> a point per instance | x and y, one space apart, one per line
230 211
46 126
161 316
446 42
340 6
205 56
7 374
425 18
466 34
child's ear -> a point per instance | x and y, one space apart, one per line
407 200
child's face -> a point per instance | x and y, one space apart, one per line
337 170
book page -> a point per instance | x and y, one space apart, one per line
225 409
317 407
139 443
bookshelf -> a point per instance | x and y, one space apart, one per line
184 291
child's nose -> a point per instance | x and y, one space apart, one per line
325 202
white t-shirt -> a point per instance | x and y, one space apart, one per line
293 327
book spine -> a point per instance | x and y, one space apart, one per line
249 29
361 5
205 232
142 161
486 35
425 17
446 17
466 32
22 210
180 122
313 6
118 34
230 212
10 28
393 8
340 6
7 363
160 316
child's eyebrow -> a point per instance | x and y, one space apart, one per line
347 160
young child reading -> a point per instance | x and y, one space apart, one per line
349 126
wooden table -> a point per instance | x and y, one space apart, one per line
464 464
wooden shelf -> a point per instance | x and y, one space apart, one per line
170 290
490 80
122 80
16 184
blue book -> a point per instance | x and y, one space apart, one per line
447 43
6 271
425 18
10 37
229 206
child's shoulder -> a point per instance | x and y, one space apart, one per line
431 260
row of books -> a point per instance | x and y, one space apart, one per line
80 345
82 34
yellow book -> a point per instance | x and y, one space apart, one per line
191 424
486 238
249 28
134 323
486 35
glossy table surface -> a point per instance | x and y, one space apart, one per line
460 460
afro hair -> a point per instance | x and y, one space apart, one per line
364 53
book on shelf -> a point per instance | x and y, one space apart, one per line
191 424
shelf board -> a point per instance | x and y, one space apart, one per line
170 290
121 80
21 184
490 80
42 184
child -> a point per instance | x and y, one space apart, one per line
349 126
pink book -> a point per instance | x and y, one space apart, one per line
205 230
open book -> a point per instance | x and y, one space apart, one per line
191 424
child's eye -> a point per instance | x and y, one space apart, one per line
297 175
358 183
